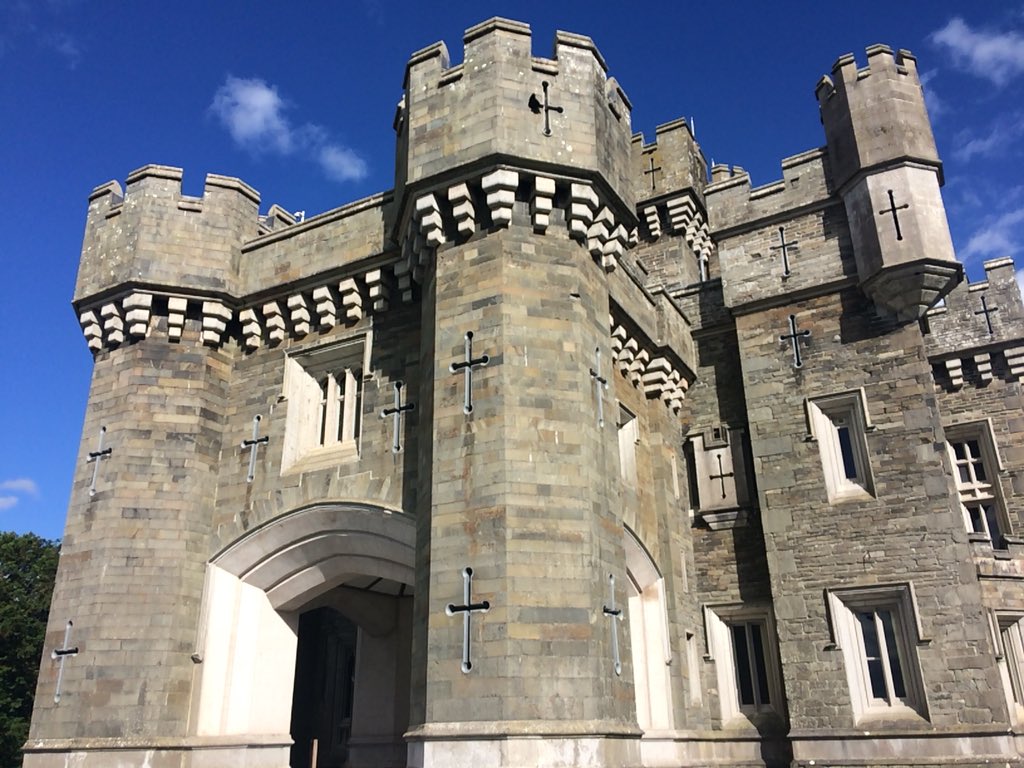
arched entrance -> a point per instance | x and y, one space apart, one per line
307 631
648 626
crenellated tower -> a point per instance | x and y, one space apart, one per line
515 211
885 167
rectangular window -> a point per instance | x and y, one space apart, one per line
876 631
741 642
975 466
693 668
751 668
629 435
1011 663
839 424
324 391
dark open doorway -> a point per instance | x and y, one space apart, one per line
322 700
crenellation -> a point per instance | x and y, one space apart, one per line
733 203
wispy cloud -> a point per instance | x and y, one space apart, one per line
993 55
998 235
66 45
341 164
999 140
254 114
11 491
39 24
937 106
21 485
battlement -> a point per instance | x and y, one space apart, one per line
875 116
733 202
978 317
491 41
501 103
153 233
671 163
882 64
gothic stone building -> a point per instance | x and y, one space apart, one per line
564 452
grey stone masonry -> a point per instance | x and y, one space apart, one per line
564 452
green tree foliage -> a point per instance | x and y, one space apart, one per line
28 565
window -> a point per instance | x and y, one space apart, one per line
324 390
875 628
693 668
1011 662
839 424
975 462
751 668
741 642
629 435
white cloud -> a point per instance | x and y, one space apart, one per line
341 164
995 56
6 502
20 485
253 112
997 236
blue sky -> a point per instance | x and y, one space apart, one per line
297 99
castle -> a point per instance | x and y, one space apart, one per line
564 452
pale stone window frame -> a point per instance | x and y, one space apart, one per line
627 425
323 386
1008 637
900 601
719 619
826 417
693 659
973 492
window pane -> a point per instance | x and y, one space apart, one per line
870 634
760 668
978 521
324 409
979 472
965 475
744 680
1012 649
972 445
959 452
846 449
895 668
993 526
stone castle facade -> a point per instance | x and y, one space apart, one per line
563 452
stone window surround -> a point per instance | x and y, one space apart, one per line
628 426
305 447
974 491
718 622
825 416
1008 637
901 601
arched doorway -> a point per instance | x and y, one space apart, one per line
307 631
651 650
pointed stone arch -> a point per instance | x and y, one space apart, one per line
257 586
649 633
